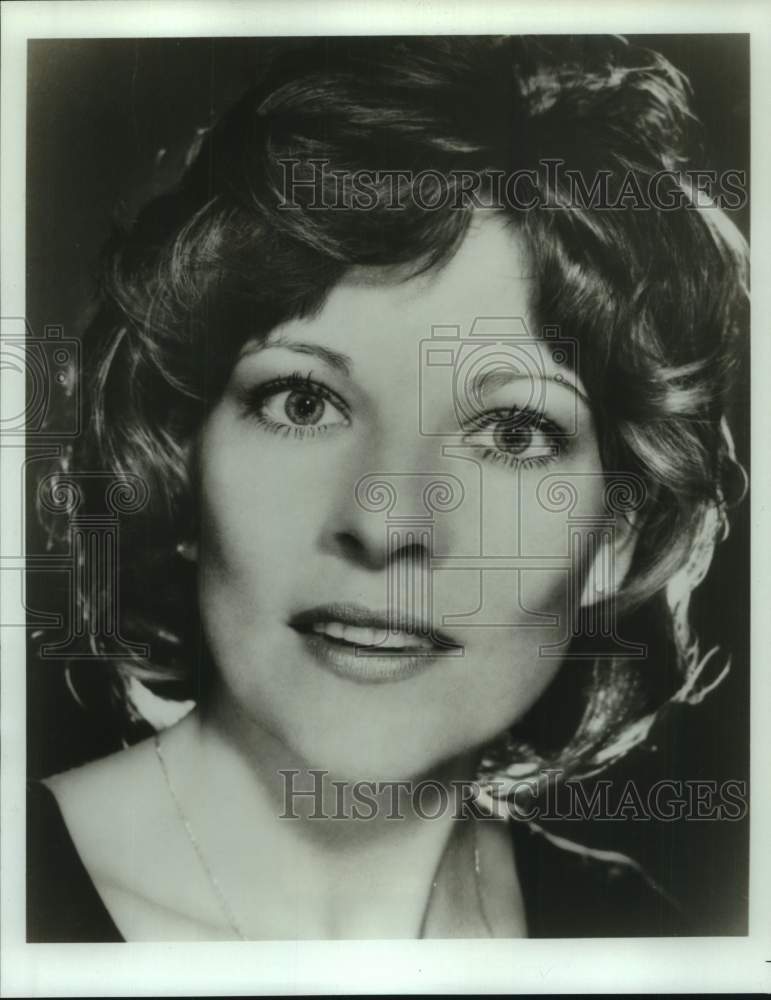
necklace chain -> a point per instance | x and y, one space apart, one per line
213 880
222 898
478 885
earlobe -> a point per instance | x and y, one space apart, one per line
610 565
188 550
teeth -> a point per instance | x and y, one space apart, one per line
359 635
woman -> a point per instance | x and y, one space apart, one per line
431 434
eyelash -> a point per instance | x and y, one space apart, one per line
253 401
529 420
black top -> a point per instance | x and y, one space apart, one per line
62 901
565 894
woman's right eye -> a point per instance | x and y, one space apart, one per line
296 406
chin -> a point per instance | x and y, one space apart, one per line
375 752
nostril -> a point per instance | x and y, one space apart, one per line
355 549
389 518
383 546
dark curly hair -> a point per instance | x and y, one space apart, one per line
655 298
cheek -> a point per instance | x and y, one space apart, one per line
245 546
532 533
520 621
254 504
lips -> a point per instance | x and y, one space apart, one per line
368 646
355 625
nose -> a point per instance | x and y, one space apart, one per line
387 515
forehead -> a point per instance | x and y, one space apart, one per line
376 319
489 276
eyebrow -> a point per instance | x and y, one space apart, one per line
344 364
334 359
501 377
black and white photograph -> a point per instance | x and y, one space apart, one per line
377 568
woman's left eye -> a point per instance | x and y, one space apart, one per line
296 406
517 437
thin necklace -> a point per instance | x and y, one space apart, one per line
478 884
213 880
477 887
222 898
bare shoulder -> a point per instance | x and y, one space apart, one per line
129 836
113 806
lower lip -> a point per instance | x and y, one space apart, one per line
363 667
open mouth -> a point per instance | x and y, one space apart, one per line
368 646
369 638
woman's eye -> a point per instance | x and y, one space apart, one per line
296 406
300 408
517 438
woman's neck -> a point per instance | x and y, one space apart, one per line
301 853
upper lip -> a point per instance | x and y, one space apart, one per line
357 614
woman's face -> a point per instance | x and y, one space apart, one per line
380 632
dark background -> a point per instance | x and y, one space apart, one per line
108 123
